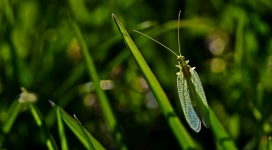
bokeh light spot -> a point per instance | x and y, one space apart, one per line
217 46
89 99
217 65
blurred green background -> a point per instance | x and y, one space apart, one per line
229 43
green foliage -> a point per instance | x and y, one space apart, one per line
46 47
90 144
85 137
62 134
106 109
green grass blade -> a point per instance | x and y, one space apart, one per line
12 115
63 140
50 142
62 91
178 129
30 98
220 134
107 111
90 144
270 144
8 11
64 100
239 38
73 125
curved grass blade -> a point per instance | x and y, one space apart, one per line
12 115
50 142
91 147
63 140
73 125
220 134
189 112
30 98
65 100
178 129
107 111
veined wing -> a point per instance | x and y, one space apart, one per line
189 112
201 99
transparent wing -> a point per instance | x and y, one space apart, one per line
201 99
189 112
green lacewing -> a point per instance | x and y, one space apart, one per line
190 90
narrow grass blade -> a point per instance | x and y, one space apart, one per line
178 129
73 125
63 140
107 111
90 144
12 115
50 142
30 98
65 100
8 11
270 143
220 134
264 143
239 38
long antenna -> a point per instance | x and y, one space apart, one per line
156 42
178 32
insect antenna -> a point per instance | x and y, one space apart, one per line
178 31
156 42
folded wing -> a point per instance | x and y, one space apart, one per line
189 112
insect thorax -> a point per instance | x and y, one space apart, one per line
185 69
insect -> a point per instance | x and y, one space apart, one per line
190 90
